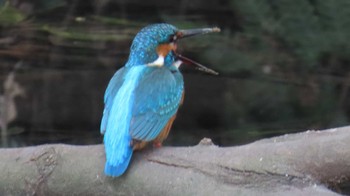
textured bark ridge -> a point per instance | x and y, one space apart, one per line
296 164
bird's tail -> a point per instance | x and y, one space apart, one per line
118 152
118 169
116 125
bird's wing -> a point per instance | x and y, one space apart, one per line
119 102
157 98
111 91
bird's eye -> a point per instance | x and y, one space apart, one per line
173 38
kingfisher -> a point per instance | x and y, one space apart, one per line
142 98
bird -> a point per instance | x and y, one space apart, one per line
143 97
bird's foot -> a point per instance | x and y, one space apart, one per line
157 144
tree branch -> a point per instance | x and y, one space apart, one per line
295 164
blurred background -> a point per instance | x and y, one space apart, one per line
284 67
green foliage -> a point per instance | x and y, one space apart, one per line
335 17
45 6
303 30
115 21
10 15
284 44
80 34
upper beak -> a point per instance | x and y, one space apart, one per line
192 32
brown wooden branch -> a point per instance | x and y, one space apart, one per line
295 164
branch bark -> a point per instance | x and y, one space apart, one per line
295 164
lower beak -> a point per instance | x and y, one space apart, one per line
197 65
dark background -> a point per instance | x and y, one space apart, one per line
284 67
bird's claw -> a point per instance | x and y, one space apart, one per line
157 144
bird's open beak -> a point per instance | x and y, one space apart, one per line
189 33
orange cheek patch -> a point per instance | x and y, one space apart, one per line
164 49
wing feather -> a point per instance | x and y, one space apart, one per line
157 98
111 91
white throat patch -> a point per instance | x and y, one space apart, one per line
177 63
158 62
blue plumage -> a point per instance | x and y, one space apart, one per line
144 45
155 104
117 137
139 99
143 96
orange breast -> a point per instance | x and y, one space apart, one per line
164 49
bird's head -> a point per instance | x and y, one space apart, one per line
155 45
